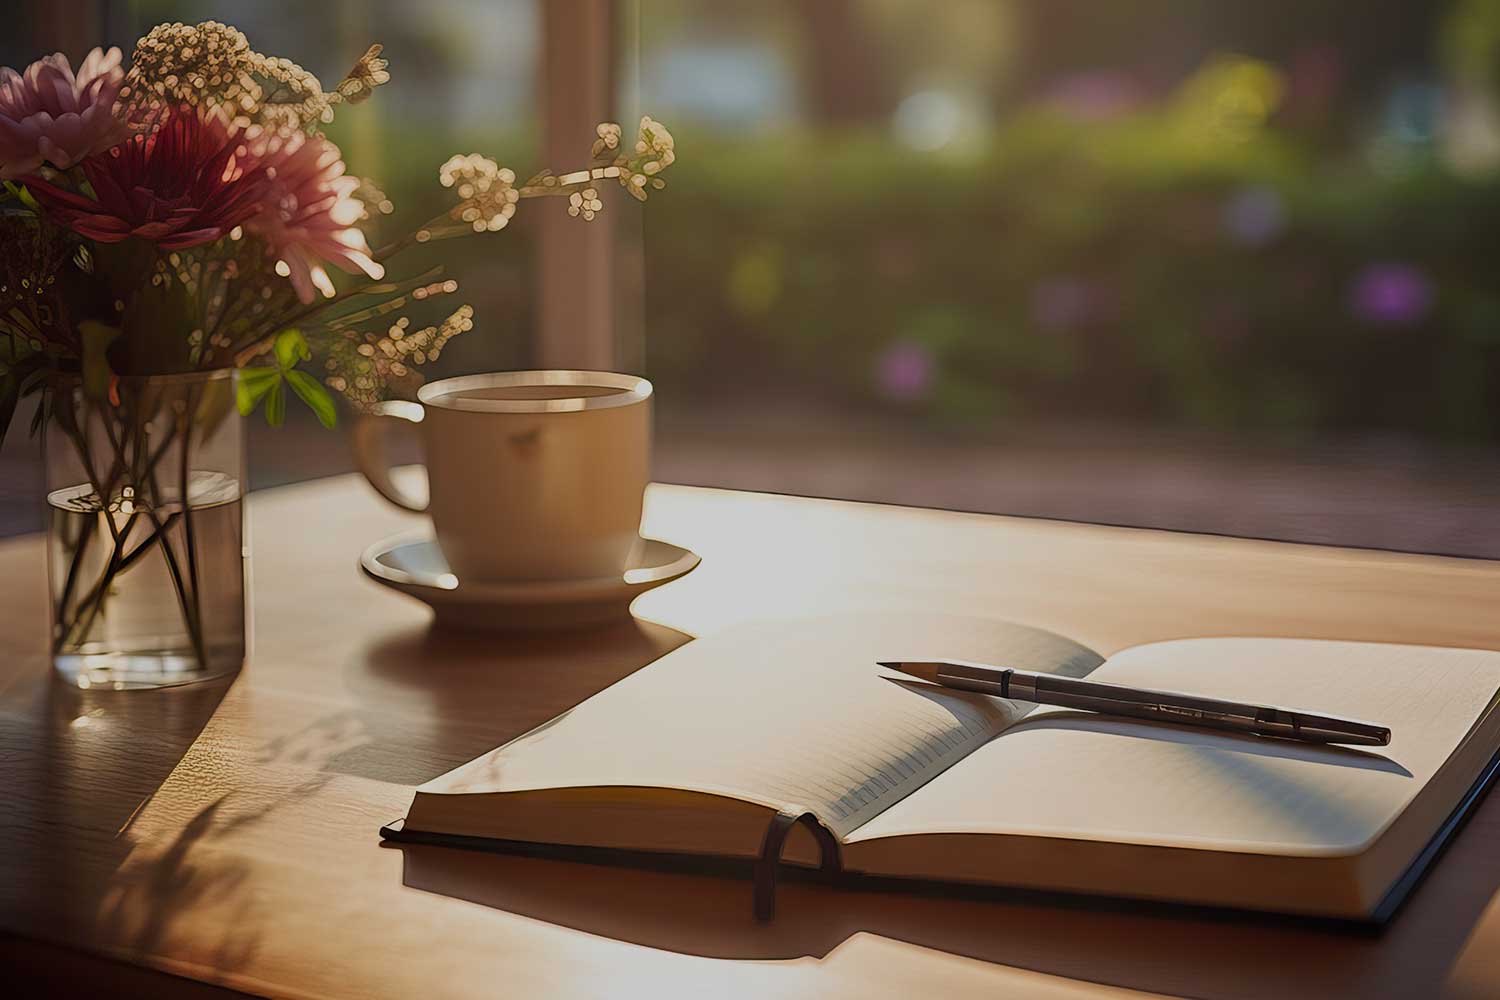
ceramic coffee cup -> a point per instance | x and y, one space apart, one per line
534 475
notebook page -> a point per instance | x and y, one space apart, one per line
1083 776
793 715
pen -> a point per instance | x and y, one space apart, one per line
1140 703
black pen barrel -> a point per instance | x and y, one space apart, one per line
1161 706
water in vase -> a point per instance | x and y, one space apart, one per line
147 591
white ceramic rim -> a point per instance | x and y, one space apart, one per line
626 584
443 394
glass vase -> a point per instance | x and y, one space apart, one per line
146 534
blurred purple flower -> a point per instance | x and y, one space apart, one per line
1390 294
1062 303
1097 95
1254 216
904 371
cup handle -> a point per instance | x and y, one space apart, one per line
368 438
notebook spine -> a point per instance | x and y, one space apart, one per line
770 857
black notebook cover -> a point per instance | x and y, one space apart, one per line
763 871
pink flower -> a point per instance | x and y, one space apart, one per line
48 114
189 183
905 371
308 212
1391 294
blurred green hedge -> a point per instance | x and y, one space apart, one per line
1198 263
1195 263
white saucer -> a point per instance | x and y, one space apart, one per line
414 565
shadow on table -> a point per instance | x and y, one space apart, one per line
428 699
1158 949
96 757
84 765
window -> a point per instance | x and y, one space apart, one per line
1200 265
1211 266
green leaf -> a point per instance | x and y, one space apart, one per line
291 349
264 374
254 383
96 372
276 404
311 392
22 195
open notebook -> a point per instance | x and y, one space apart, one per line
696 753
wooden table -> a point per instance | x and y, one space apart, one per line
227 833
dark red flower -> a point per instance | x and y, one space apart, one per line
189 182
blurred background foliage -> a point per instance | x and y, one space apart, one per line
1238 256
1278 216
1181 213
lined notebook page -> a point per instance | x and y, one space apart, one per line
1082 776
793 715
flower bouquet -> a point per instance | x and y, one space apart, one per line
170 238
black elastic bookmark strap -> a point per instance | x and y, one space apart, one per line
770 857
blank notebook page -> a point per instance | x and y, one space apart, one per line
1077 775
795 716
